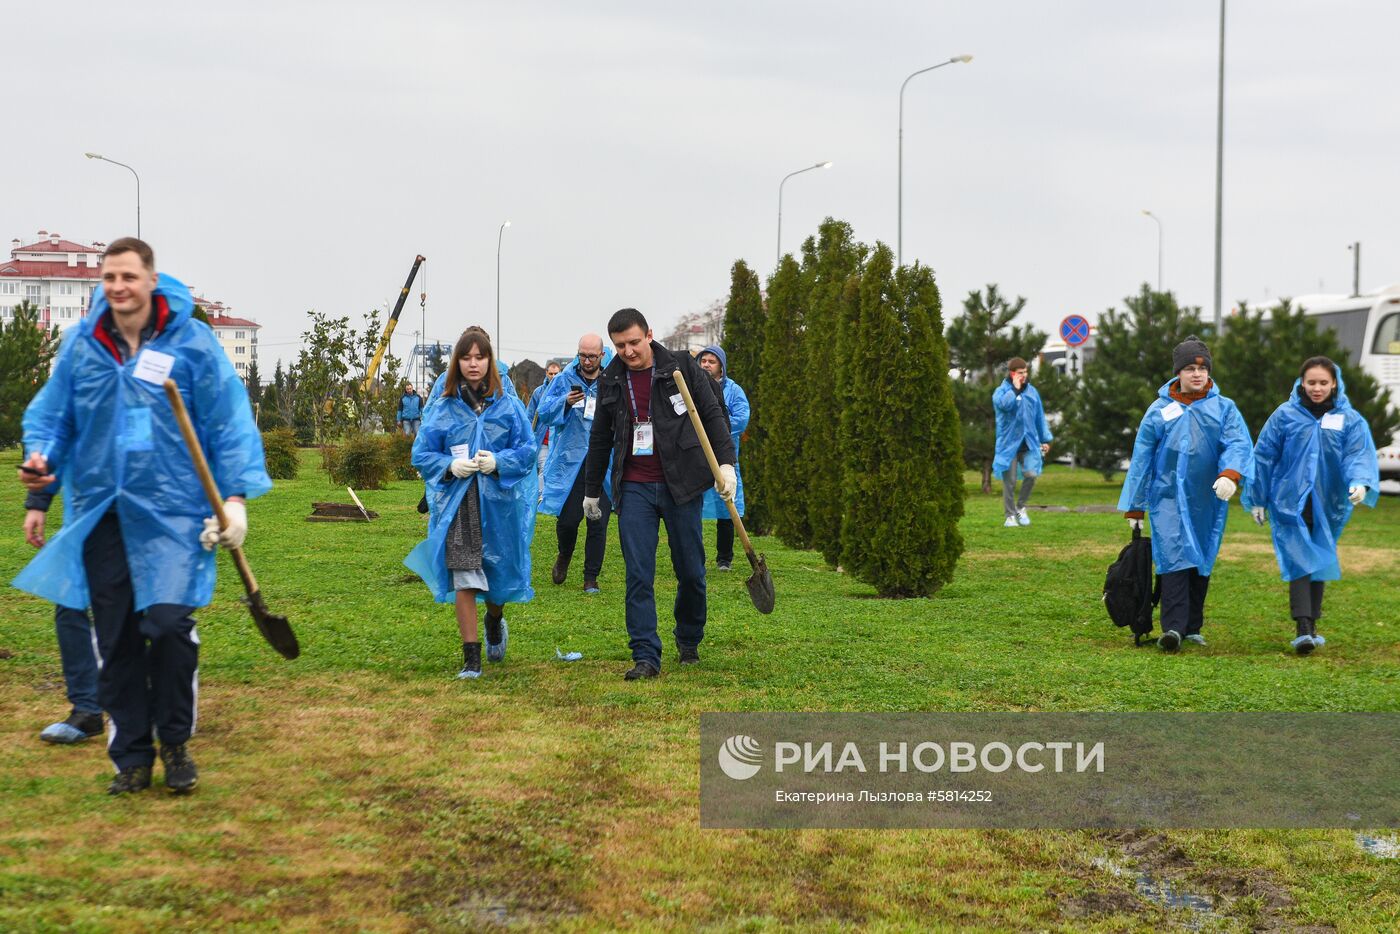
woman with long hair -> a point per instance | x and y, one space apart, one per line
477 454
1314 462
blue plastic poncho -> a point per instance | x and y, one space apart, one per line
532 412
1179 453
1020 420
506 386
113 440
736 401
507 495
568 438
1300 459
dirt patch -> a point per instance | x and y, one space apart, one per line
1354 558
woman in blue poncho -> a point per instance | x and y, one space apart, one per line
476 453
1314 462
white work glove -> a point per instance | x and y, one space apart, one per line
232 537
464 467
591 509
1224 488
1260 515
486 461
1356 493
1135 525
727 482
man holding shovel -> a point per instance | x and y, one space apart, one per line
660 473
137 546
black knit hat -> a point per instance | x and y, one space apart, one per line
1192 350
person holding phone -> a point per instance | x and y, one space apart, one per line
1314 462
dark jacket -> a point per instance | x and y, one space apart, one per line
682 459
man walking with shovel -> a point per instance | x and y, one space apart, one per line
104 428
660 474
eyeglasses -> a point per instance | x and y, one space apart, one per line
1195 370
590 356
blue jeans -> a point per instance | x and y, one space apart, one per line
78 652
641 510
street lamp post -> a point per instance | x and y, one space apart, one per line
900 239
93 155
499 234
1159 246
1219 162
819 165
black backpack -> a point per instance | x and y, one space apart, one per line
1129 593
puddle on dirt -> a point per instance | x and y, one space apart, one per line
1200 909
1379 847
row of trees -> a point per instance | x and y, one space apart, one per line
26 353
854 448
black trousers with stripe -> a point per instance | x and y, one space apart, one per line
150 660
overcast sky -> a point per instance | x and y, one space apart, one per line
297 155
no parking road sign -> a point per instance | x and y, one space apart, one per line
1074 330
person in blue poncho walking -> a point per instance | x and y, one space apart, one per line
476 453
568 408
1191 454
136 516
1314 463
434 394
735 403
532 412
1023 439
410 411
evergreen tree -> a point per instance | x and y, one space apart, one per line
254 383
1257 360
980 342
831 261
1132 359
437 363
899 440
777 408
26 350
743 345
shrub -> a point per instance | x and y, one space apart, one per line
401 457
361 462
280 451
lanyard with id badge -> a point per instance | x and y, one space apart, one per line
643 436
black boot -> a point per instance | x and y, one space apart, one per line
471 661
1303 643
132 778
180 774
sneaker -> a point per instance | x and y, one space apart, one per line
471 661
640 670
1197 638
78 727
561 569
1303 645
690 654
1023 517
497 635
1010 523
180 774
1170 640
132 778
724 565
591 587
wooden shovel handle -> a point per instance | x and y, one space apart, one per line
710 456
206 477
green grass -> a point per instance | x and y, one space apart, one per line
361 787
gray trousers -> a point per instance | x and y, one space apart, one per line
1305 598
1009 502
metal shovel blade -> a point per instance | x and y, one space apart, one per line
275 629
760 584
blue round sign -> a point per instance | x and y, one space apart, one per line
1074 330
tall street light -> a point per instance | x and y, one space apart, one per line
1159 246
1219 161
819 165
499 234
900 242
93 155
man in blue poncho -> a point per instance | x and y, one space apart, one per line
476 453
736 407
1314 463
1023 439
136 515
1191 453
532 412
567 406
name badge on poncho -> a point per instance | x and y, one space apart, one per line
1334 421
1172 411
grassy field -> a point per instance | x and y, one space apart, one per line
362 788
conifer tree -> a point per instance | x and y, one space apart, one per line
899 439
743 345
1132 359
777 408
831 261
